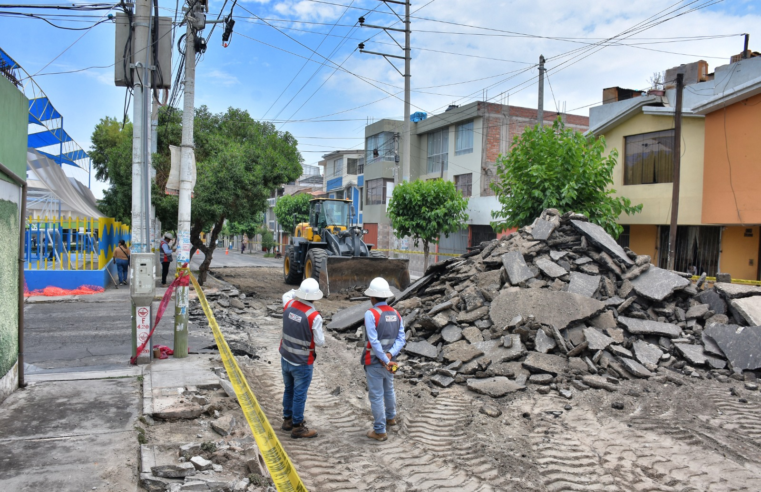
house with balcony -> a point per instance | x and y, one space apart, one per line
343 177
720 171
310 181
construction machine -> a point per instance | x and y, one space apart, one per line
330 249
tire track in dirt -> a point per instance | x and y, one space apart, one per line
742 418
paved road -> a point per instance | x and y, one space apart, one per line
235 259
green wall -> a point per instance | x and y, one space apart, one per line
9 232
14 115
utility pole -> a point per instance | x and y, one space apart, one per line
540 104
677 163
406 128
745 48
142 33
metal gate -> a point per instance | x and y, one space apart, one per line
697 249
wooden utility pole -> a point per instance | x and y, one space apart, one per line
677 163
540 105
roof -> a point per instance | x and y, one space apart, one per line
625 110
734 95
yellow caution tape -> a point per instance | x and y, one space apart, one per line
734 280
279 465
430 253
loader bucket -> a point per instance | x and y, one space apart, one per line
340 272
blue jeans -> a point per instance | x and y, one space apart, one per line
380 387
122 266
297 380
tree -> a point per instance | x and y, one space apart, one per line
111 155
556 167
268 239
292 210
424 210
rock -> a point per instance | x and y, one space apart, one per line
451 333
616 334
181 470
736 291
620 351
578 349
470 317
455 366
543 343
442 380
710 346
557 255
515 265
625 289
714 301
751 386
613 301
550 268
490 411
462 351
617 405
749 308
152 483
548 308
582 260
565 393
494 387
646 327
724 278
543 390
582 284
548 363
440 307
224 425
657 284
603 240
200 463
739 344
422 348
693 353
697 311
472 297
228 388
544 379
542 229
349 318
237 304
599 382
647 353
635 368
515 350
178 410
597 341
717 319
472 334
189 450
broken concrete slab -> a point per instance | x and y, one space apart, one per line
620 351
597 340
349 318
166 409
516 267
635 368
442 380
543 379
543 229
560 309
550 268
515 349
415 286
552 364
440 307
495 387
583 284
224 425
544 343
741 345
714 301
710 346
697 311
693 353
647 353
749 308
599 382
451 333
613 301
646 327
736 291
472 334
422 348
604 321
496 352
462 351
657 284
200 463
470 317
598 236
180 470
557 255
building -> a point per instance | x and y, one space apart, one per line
461 145
310 181
718 223
343 177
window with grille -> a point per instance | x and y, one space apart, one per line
438 150
464 184
376 191
351 166
379 147
463 143
649 158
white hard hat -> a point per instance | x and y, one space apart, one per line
309 290
167 235
379 288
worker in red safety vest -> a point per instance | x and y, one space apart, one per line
165 254
302 331
384 334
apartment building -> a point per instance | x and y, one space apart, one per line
343 177
718 222
310 181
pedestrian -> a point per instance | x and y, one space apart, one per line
384 334
166 255
302 331
121 258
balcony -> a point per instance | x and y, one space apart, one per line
271 202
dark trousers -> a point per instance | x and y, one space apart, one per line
164 271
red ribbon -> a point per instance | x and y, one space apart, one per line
182 280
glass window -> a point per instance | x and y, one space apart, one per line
338 167
463 141
438 150
351 166
649 158
361 198
379 147
334 213
376 191
464 184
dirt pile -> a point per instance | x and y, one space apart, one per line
560 304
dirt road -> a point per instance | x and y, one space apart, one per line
690 437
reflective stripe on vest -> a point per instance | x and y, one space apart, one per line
297 342
387 322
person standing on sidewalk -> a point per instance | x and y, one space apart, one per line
384 334
302 331
121 258
165 254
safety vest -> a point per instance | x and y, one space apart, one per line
387 322
297 343
165 258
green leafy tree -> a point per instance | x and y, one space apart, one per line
424 210
291 210
111 155
268 239
557 167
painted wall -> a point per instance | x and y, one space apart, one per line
14 111
643 240
731 192
656 198
9 233
739 251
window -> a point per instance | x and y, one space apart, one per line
329 169
438 150
376 191
464 184
623 238
361 165
351 166
340 194
649 158
338 167
361 199
379 147
463 140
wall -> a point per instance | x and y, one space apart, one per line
737 251
643 240
738 126
9 233
656 198
14 110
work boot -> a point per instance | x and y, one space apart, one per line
378 437
301 430
391 422
287 424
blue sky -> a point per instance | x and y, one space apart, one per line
492 53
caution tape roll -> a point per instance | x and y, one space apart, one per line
281 469
431 253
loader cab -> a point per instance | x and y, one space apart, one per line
333 215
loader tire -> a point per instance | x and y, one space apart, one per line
290 274
315 262
377 254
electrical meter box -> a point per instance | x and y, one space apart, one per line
143 282
124 55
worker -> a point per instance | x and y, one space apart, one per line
165 254
384 334
302 331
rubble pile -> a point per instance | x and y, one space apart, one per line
561 305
